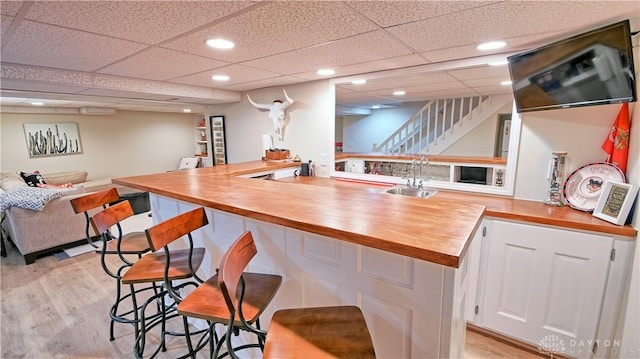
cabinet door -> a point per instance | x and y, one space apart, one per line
545 286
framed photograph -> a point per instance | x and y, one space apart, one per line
615 202
52 139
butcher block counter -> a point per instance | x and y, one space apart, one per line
407 262
499 207
437 231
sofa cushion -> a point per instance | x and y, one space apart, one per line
65 177
9 183
33 179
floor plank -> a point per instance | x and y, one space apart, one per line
58 309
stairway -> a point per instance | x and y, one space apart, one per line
440 123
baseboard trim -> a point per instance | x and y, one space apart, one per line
510 341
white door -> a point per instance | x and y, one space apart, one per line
545 286
506 131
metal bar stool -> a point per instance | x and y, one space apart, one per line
321 332
133 243
176 268
233 297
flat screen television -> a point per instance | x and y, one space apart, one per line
592 68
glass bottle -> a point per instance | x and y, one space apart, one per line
556 179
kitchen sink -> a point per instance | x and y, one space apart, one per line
410 191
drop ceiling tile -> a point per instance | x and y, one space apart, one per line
486 82
149 22
167 64
504 20
481 72
391 13
352 50
403 82
10 7
49 46
5 23
238 74
495 89
277 27
371 66
514 45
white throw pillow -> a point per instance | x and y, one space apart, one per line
9 183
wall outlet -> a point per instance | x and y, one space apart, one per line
323 159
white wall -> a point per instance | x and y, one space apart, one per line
482 140
308 133
361 132
579 131
128 143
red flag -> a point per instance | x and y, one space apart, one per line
617 142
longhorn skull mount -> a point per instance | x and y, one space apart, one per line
276 113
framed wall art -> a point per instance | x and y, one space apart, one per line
615 202
52 139
218 140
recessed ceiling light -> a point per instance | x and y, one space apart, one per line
37 103
326 72
498 63
399 93
375 107
491 45
359 82
187 110
220 44
505 83
220 78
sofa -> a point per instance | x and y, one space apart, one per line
56 226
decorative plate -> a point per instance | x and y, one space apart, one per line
582 187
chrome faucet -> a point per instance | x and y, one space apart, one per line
416 179
413 169
424 161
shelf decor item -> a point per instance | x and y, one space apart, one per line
276 113
583 187
556 179
52 139
615 202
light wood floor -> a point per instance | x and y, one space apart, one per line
58 309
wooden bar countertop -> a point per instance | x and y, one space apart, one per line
435 231
438 229
502 207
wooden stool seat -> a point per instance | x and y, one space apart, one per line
322 332
207 301
131 243
150 268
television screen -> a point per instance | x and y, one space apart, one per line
593 68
